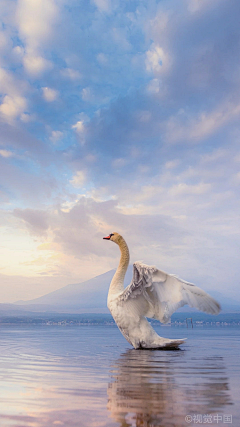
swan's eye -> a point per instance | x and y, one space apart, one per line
111 235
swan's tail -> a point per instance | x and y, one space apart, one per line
163 343
174 343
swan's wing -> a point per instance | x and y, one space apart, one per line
154 293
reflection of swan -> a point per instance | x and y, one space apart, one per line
142 390
152 293
160 389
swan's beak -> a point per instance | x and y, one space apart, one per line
107 238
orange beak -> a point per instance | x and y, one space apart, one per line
107 238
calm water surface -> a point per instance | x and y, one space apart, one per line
89 376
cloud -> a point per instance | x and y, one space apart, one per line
36 64
49 94
56 135
102 58
13 102
196 6
35 21
15 136
37 220
153 86
85 218
78 179
25 173
71 74
156 60
201 188
120 37
88 95
103 5
119 163
173 242
200 127
13 106
79 127
152 96
6 153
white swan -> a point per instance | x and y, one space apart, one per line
152 293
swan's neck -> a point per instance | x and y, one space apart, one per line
117 283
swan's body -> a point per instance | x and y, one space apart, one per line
154 294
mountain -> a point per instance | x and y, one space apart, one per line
91 297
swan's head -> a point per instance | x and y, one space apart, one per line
114 237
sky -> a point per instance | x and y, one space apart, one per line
118 116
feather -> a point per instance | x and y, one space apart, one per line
163 294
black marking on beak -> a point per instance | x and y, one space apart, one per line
108 237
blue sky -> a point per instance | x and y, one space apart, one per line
118 116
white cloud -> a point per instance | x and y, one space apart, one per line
56 135
35 20
119 35
71 74
172 164
198 128
79 127
183 189
180 183
153 86
177 236
208 123
49 94
103 5
215 155
195 6
36 64
6 153
157 59
88 95
78 179
18 51
102 59
26 118
13 106
14 103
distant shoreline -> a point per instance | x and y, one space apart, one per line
178 319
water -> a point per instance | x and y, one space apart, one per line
89 376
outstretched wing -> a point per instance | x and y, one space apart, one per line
154 293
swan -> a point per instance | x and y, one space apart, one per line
152 293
